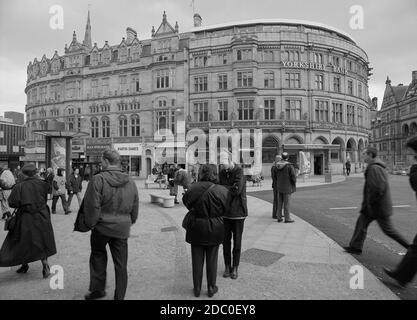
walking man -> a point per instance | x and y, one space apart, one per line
348 167
407 269
275 186
376 204
286 180
231 175
111 206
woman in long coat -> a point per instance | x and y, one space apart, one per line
32 238
207 203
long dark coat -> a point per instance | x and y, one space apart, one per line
236 183
377 201
207 210
285 177
32 239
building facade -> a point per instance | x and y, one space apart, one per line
303 84
395 123
12 137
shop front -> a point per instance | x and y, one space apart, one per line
131 157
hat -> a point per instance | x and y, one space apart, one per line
29 169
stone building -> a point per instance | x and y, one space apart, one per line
395 123
304 84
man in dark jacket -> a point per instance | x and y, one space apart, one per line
376 204
231 175
49 179
407 269
111 205
75 182
286 181
275 186
207 203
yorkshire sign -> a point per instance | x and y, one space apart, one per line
311 65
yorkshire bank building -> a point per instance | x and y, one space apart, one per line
302 85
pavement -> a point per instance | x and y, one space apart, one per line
279 261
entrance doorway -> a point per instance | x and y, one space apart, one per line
148 167
318 164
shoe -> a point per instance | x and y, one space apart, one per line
393 275
23 269
95 295
226 273
197 292
289 221
279 220
176 202
53 212
234 273
212 291
352 250
68 212
46 271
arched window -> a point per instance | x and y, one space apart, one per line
105 127
162 123
135 125
94 127
122 126
239 55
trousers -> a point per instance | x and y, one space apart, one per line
98 263
210 253
233 228
361 229
275 203
284 203
407 268
63 200
71 195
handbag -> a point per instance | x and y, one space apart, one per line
10 222
188 218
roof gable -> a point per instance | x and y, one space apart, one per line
165 28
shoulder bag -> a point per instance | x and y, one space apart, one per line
10 222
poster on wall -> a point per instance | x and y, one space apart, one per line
58 153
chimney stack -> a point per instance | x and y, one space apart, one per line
197 20
130 35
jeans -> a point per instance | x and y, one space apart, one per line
232 228
71 195
63 200
98 263
361 229
407 268
284 201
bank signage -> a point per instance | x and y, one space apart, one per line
96 149
128 149
311 65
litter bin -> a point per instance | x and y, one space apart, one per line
328 176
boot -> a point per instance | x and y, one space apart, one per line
45 269
234 273
176 200
226 273
23 269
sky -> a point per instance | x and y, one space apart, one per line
388 36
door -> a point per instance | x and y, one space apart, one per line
318 164
148 167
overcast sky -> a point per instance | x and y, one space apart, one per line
389 35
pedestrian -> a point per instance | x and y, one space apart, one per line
75 186
49 179
7 182
181 178
376 204
42 173
87 172
110 206
231 175
207 202
286 181
347 165
275 186
32 238
173 191
407 268
16 172
59 191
